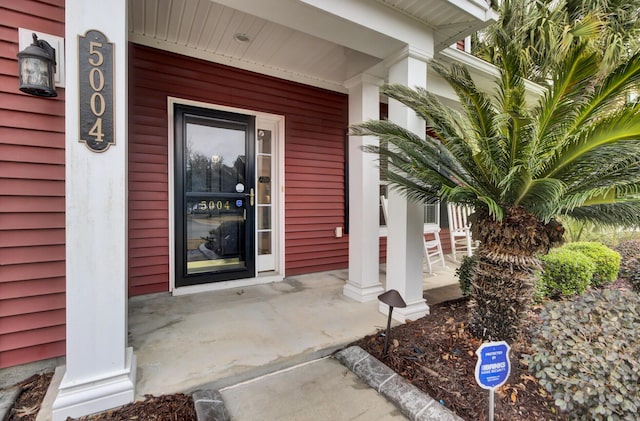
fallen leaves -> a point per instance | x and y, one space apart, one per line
24 411
27 404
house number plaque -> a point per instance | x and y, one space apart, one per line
96 91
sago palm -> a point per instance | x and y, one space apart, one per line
575 152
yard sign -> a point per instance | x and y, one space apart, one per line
492 368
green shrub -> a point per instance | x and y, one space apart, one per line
566 273
607 261
540 290
586 352
465 273
630 263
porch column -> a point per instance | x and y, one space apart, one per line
405 218
100 369
364 191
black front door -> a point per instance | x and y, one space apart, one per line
214 203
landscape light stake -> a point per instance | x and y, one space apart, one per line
392 298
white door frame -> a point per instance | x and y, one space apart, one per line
277 199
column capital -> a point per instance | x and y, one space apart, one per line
363 79
406 52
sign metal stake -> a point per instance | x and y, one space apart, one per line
492 393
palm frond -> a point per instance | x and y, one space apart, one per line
602 165
491 154
619 126
610 92
477 104
411 159
622 213
446 125
558 108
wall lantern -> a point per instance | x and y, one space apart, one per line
37 66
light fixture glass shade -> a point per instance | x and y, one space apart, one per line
37 65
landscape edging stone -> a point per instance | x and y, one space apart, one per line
210 406
411 401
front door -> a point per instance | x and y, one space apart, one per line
215 195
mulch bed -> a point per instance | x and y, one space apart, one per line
176 407
437 355
27 405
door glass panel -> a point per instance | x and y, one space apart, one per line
215 234
264 242
264 179
264 217
264 141
215 202
215 159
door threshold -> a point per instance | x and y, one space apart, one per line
262 278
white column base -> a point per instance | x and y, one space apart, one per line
413 311
362 293
98 394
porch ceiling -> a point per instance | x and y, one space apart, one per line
451 20
293 39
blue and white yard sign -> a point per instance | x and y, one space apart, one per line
493 368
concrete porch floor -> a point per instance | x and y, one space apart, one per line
218 339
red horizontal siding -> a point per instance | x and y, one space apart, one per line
383 250
315 126
23 103
31 204
41 138
150 261
24 170
32 304
148 233
146 252
26 322
29 187
32 287
38 155
26 355
27 221
32 158
14 273
27 255
29 338
142 288
31 121
152 269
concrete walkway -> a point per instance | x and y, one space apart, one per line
213 340
319 390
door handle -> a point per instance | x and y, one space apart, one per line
250 195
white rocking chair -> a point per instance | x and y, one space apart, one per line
460 230
432 248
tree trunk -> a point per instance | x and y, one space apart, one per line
502 285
